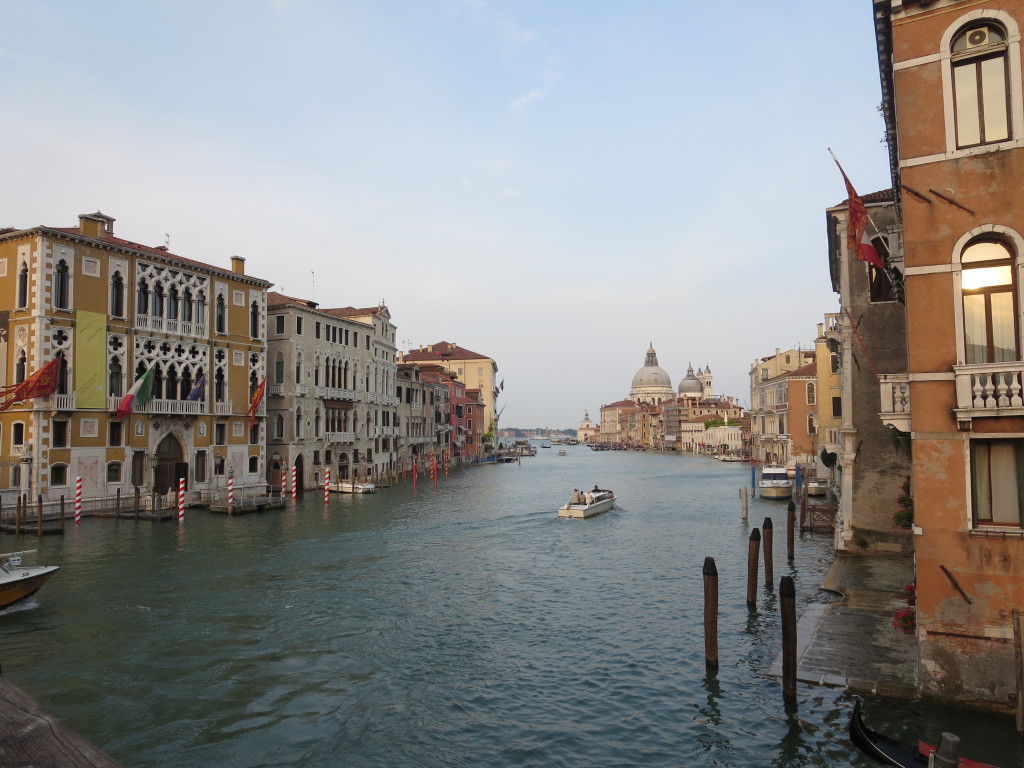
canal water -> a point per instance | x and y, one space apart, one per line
462 625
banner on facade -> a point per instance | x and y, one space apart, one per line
90 360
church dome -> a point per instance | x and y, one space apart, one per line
651 384
691 384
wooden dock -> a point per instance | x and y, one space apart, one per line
31 737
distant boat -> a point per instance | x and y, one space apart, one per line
350 486
587 504
19 582
774 482
562 453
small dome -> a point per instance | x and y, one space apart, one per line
691 384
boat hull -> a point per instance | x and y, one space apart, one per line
352 487
774 491
580 511
22 583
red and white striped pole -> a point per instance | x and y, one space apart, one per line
181 499
295 482
231 493
78 501
327 487
415 471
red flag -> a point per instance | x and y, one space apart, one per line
40 384
857 240
257 398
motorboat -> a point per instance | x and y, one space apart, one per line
587 503
775 482
351 486
816 487
19 582
562 453
888 751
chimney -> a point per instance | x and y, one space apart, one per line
95 224
238 265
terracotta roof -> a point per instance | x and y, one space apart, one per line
443 350
882 196
275 299
352 311
620 404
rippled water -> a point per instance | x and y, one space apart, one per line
463 625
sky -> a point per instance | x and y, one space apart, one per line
555 184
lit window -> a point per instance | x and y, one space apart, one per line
989 296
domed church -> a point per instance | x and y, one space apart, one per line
696 385
651 384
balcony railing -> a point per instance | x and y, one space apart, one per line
337 393
895 398
224 409
988 389
385 431
62 402
275 389
341 437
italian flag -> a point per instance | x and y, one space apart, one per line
140 393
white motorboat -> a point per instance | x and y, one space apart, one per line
19 582
351 486
587 504
775 482
816 487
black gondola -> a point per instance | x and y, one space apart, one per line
889 752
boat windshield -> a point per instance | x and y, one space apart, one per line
774 476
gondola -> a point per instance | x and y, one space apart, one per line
889 752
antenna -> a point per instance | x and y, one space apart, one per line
312 288
167 240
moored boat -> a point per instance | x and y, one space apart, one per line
816 487
888 751
350 486
584 504
774 482
19 582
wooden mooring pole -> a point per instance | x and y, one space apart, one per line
753 555
743 501
768 534
39 515
787 603
790 528
710 613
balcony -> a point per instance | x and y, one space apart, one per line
62 402
337 393
895 392
988 389
341 437
275 389
385 431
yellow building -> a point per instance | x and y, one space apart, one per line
111 310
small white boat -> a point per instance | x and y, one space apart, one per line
816 487
350 486
19 582
774 482
587 504
561 453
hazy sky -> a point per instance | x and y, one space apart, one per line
554 184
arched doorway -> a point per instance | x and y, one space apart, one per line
170 465
274 476
300 473
343 466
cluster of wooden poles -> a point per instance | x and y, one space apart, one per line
787 598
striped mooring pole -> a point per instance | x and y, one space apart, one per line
295 482
327 487
78 501
181 499
231 493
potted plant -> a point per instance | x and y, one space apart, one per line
905 620
904 514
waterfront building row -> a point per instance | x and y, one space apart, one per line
246 383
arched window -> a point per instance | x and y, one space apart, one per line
981 94
989 296
23 286
61 285
254 320
115 378
811 394
117 295
63 380
173 302
316 423
254 465
186 306
221 318
158 300
298 423
279 427
142 302
279 368
20 368
219 386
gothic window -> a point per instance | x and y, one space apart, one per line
157 309
115 378
279 427
23 286
219 386
980 85
62 285
117 295
142 298
63 379
254 320
186 306
279 368
20 368
989 298
221 320
173 303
